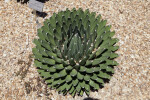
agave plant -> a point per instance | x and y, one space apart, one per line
74 52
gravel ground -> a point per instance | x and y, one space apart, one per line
130 19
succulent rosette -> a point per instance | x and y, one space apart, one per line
75 51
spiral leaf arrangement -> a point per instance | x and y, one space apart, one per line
74 52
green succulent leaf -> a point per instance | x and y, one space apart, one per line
75 82
68 78
73 72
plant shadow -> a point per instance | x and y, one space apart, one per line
89 98
26 1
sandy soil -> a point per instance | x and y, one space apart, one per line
130 19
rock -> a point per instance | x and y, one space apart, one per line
7 1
